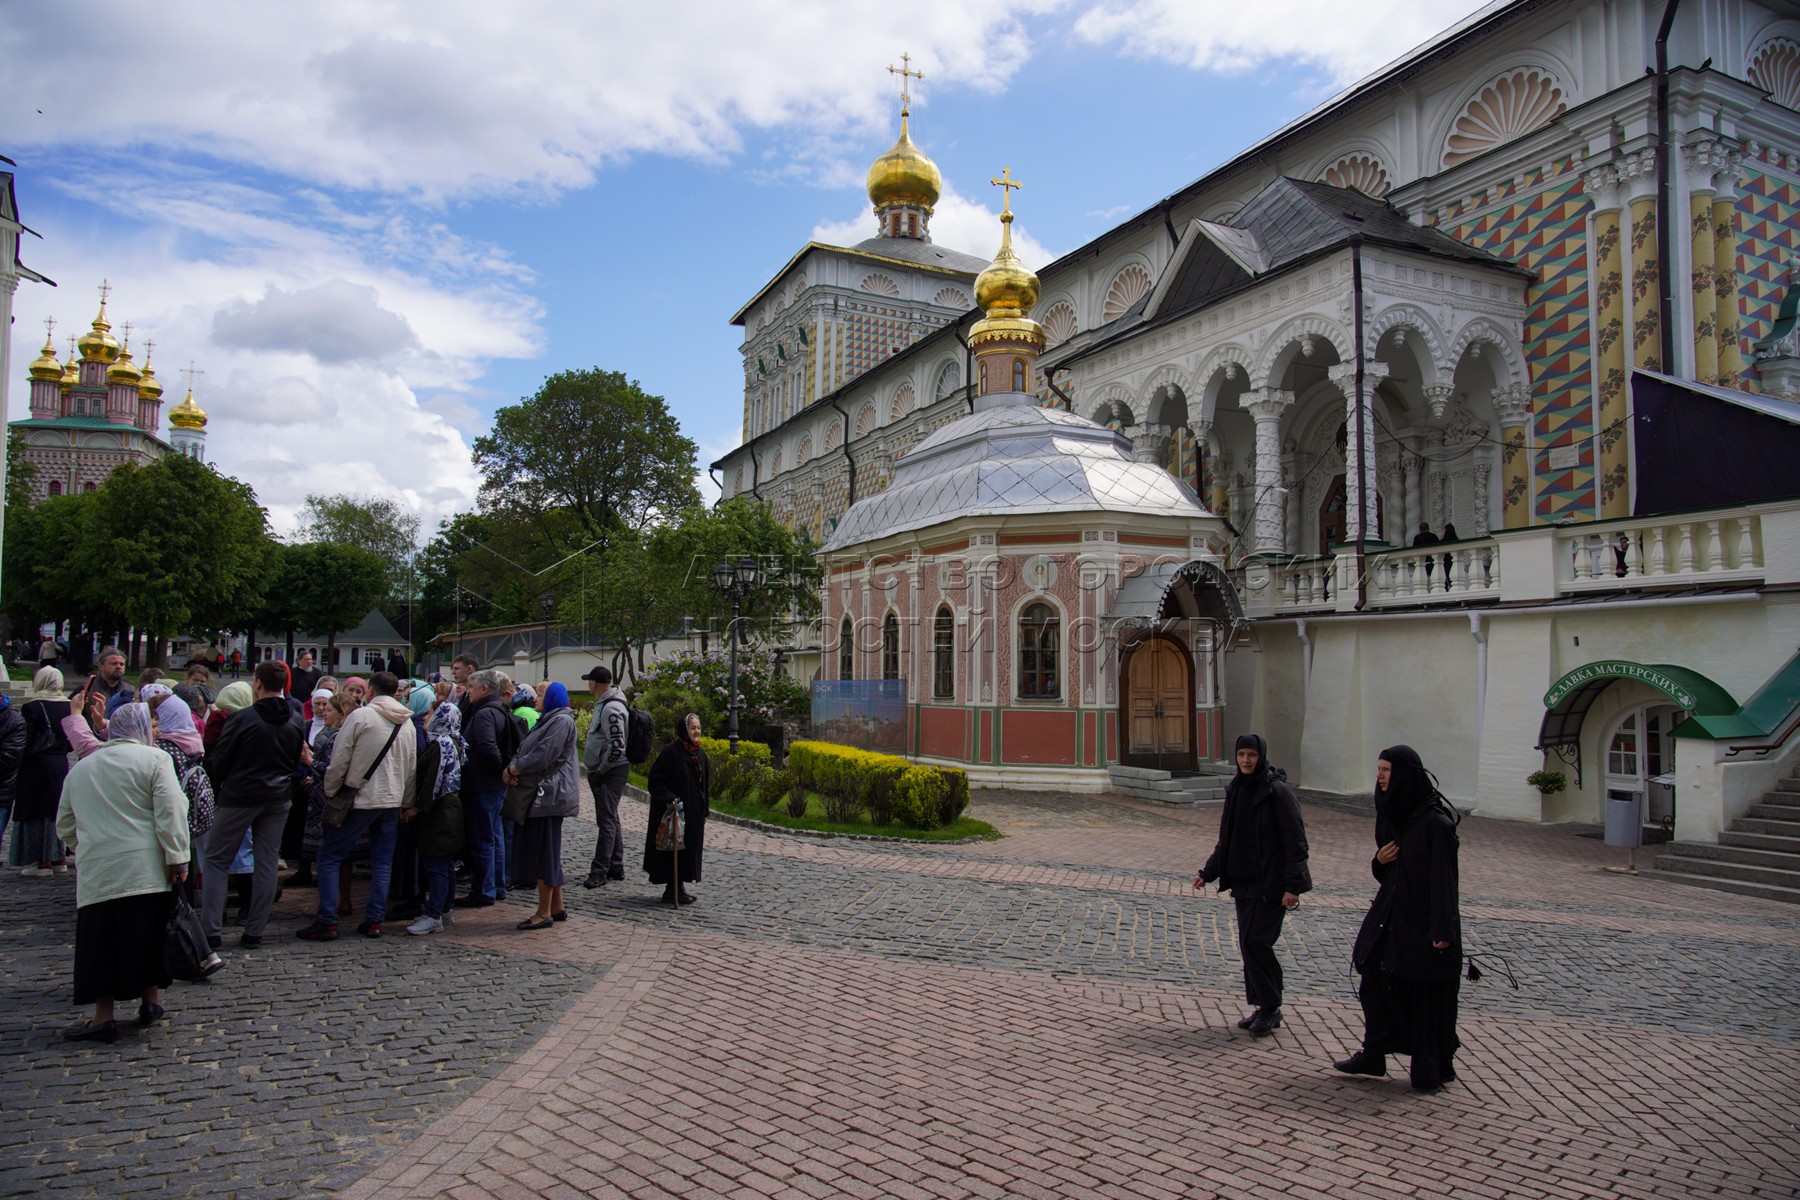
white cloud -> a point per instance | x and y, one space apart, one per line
1346 41
466 97
335 322
956 223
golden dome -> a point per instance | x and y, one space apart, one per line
98 342
1007 288
47 366
150 388
71 374
904 175
124 370
187 414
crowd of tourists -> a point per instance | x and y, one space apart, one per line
161 792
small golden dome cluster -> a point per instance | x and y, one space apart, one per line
100 346
187 414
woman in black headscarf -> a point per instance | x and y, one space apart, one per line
1409 950
1261 861
682 774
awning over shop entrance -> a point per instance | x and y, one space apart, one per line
1567 702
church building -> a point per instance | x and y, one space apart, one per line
1514 290
99 411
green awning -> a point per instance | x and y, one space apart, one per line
1567 702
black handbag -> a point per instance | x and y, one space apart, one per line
186 953
340 802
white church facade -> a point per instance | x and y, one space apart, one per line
1469 294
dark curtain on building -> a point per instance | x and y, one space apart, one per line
1696 450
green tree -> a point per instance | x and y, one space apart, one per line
20 474
594 446
174 546
383 524
333 587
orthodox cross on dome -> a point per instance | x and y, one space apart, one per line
1007 182
49 330
907 75
190 371
125 331
105 291
148 347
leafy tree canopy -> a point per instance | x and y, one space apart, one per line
383 524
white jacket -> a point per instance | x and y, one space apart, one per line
363 735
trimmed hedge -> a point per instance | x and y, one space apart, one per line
849 780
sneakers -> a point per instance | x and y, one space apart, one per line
596 878
37 872
425 925
211 966
318 931
59 869
369 929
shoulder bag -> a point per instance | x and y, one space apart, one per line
338 805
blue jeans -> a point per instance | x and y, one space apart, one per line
485 848
382 825
440 881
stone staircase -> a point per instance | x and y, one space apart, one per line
1758 856
1180 788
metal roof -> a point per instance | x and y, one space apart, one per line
1011 456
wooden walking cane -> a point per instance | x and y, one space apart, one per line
677 831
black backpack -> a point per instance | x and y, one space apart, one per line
640 732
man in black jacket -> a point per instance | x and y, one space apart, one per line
493 738
253 767
1261 860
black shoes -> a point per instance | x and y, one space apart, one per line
1362 1063
1250 1020
668 897
149 1014
474 902
595 878
616 876
318 931
1265 1022
370 929
105 1031
250 941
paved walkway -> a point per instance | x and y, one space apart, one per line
1046 1015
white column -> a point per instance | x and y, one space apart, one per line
1359 473
1412 466
1267 411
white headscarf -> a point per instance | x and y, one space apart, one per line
130 723
47 684
319 698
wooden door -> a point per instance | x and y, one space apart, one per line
1160 716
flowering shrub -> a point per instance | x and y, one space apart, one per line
701 683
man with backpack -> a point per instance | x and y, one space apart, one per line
493 738
607 769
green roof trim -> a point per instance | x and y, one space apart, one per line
1765 712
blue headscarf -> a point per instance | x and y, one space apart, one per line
419 701
555 696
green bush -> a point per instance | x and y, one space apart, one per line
775 788
749 783
796 801
919 797
956 794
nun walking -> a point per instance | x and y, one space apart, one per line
1261 860
1409 950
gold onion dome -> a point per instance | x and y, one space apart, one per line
98 342
149 386
47 366
124 370
71 374
187 414
904 175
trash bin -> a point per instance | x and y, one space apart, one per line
1624 819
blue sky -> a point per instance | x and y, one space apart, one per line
370 232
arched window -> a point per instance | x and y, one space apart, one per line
846 650
56 487
890 647
90 487
943 651
1018 374
1040 635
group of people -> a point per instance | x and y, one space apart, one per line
176 787
1408 952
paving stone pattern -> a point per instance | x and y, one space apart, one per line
287 1074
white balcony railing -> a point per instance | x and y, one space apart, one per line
1454 572
1702 548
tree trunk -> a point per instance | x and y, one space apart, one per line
153 650
331 654
290 645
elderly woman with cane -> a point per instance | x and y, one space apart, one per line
124 811
681 775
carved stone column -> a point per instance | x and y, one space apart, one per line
1359 473
1267 411
1150 443
1437 398
1513 404
1413 469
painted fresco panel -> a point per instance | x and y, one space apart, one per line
1768 211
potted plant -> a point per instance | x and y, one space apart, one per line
1548 783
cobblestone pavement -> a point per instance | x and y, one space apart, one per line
1050 1014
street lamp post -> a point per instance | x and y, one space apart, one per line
735 580
548 600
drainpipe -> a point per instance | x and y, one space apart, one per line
1306 649
968 369
755 471
713 474
1174 238
1050 381
851 498
1362 447
1478 629
1665 171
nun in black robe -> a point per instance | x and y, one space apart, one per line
681 772
1409 950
